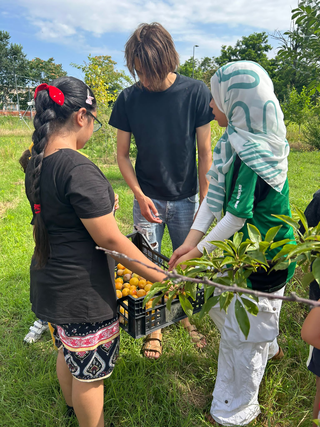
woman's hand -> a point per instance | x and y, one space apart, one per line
178 253
193 253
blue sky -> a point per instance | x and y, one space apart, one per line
68 30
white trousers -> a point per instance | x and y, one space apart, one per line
242 362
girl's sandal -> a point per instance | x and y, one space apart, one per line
198 339
153 345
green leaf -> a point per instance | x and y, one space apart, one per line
257 256
194 272
288 220
237 239
242 318
254 233
223 298
307 279
229 298
251 307
208 292
263 246
191 288
316 269
156 300
186 305
169 302
253 297
302 217
223 246
280 243
280 266
271 234
208 305
243 247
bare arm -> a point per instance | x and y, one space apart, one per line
105 232
147 207
204 157
310 331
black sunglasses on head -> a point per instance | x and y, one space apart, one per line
97 124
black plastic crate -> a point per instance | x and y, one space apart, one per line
138 321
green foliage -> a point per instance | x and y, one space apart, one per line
301 45
297 107
100 74
201 69
311 131
45 71
252 48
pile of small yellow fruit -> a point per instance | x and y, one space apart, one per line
128 283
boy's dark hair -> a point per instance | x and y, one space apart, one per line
49 119
153 47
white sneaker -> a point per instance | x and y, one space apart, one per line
36 330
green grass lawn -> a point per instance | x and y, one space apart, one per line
173 391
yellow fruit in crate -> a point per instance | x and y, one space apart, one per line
141 293
119 279
126 277
120 272
142 283
120 267
119 294
127 285
115 274
127 271
148 305
134 296
149 283
147 288
133 291
134 281
135 275
125 292
118 286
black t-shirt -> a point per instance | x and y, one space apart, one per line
164 126
77 283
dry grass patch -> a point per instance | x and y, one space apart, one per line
15 132
4 206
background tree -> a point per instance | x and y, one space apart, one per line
300 46
252 48
203 68
297 107
100 74
44 71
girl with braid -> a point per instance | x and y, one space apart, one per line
72 283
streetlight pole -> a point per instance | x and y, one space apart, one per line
193 60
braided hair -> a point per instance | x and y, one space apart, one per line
51 118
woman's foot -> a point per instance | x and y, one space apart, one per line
152 345
211 420
198 339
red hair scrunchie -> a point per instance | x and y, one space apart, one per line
37 208
55 94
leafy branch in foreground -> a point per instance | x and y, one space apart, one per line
229 273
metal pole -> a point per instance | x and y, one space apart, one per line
15 81
193 60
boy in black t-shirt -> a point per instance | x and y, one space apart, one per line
167 113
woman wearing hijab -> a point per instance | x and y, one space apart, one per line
247 185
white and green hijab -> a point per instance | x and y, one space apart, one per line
243 91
